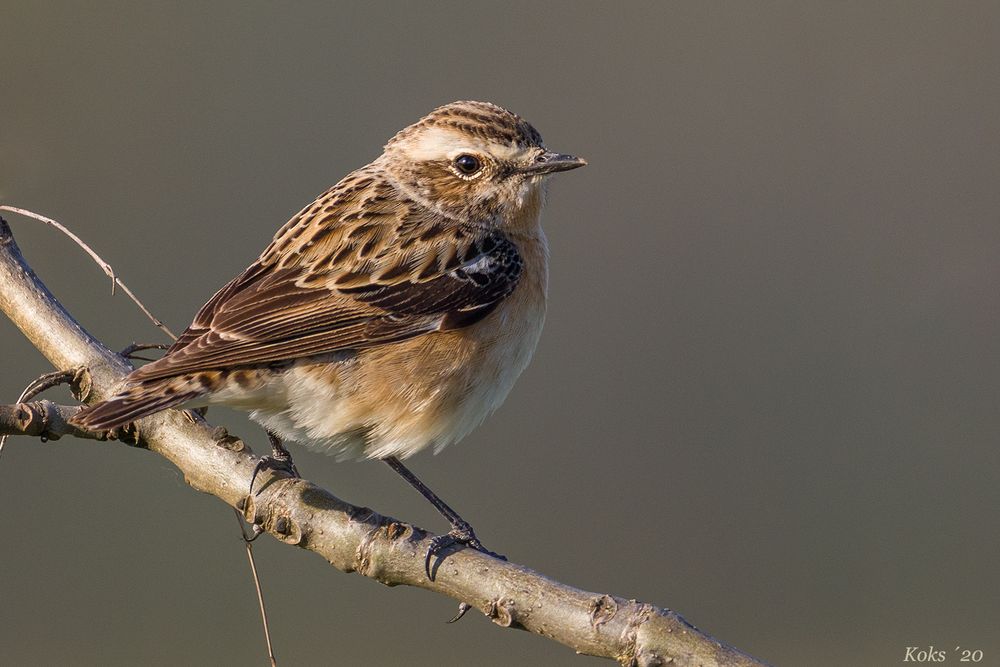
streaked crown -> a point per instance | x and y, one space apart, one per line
489 122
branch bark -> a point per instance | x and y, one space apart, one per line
43 419
351 538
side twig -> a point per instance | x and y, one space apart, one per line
37 386
248 544
42 419
52 425
108 270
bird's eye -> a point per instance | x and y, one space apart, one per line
468 164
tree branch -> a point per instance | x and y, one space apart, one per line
351 538
42 419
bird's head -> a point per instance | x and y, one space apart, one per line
474 160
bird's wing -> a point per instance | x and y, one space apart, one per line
331 282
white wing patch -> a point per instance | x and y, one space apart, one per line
482 264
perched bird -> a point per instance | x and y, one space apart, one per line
392 314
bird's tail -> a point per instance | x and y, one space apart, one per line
136 402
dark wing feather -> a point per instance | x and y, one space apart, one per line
465 294
203 320
276 312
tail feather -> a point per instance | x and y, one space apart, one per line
135 403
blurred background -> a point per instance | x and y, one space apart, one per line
766 395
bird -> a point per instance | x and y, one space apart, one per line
390 315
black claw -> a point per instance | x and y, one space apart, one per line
461 534
463 607
272 462
279 459
257 529
437 544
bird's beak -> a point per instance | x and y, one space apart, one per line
549 163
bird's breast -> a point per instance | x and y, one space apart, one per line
432 390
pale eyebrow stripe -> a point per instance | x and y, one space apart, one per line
442 142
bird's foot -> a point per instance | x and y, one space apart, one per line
272 462
279 459
461 533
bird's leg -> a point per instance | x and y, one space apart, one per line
279 459
461 532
